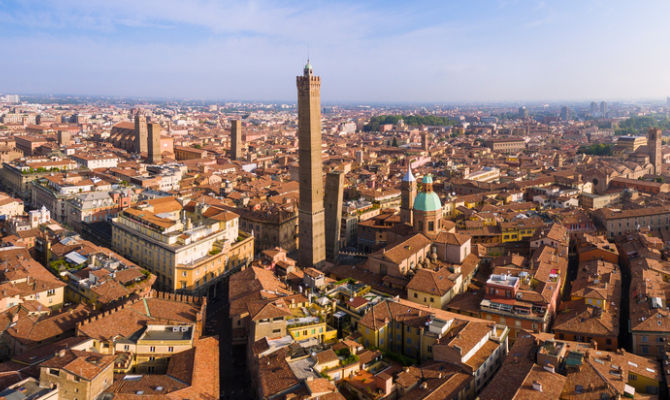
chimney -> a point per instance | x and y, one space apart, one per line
537 386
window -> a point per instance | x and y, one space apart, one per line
415 296
126 347
152 349
51 292
53 371
170 349
432 300
632 377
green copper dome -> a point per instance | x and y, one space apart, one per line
427 179
308 67
427 201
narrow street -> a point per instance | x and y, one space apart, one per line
234 382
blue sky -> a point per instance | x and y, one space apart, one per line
365 51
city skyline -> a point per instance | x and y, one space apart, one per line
498 51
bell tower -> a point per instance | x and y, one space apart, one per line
407 195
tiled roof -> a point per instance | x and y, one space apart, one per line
131 317
81 363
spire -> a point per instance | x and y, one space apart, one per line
408 176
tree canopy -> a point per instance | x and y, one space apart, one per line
597 149
640 125
411 120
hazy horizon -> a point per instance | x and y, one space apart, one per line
379 52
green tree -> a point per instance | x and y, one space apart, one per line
411 120
640 124
598 149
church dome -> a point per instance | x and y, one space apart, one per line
427 201
308 67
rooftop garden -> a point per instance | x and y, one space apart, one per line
346 358
60 265
32 170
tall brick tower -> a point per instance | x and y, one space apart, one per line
407 195
425 141
235 139
312 245
333 202
654 144
154 143
141 134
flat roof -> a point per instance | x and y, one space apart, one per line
171 332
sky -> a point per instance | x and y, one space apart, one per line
386 51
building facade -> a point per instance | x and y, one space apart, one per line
188 252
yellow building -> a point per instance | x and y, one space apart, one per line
317 329
188 251
151 352
423 333
308 321
434 288
514 231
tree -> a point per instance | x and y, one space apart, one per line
639 125
598 149
411 120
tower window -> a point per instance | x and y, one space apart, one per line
431 226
